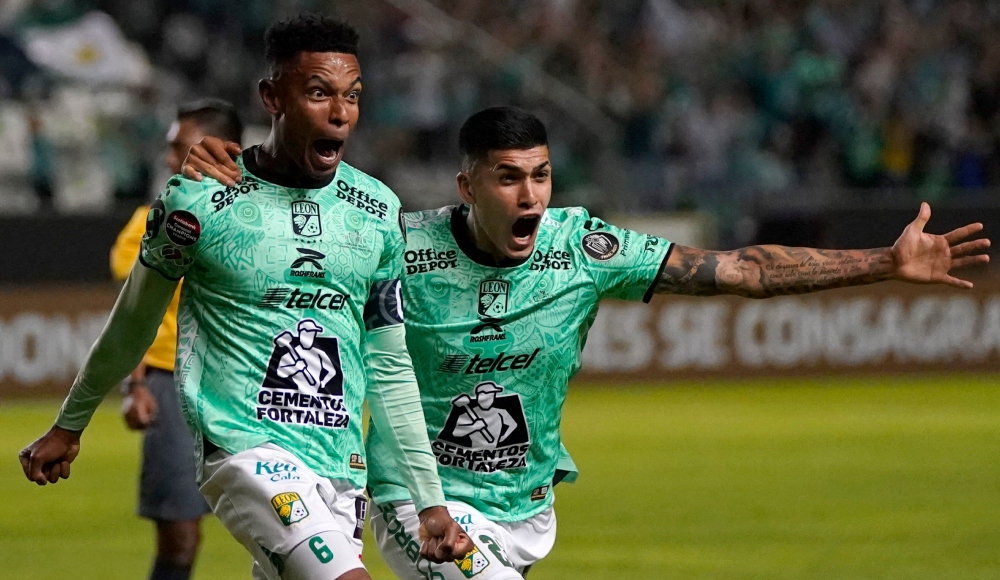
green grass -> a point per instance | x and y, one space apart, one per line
849 479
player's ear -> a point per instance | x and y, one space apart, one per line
269 96
464 181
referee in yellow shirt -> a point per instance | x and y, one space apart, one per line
168 492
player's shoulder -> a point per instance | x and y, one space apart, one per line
567 222
188 194
429 219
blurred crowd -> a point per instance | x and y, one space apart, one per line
665 104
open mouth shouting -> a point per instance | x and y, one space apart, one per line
326 153
524 230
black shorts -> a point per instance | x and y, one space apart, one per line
168 490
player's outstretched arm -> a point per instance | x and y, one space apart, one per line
129 332
394 403
765 271
214 158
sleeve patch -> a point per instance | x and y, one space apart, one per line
601 246
154 219
183 228
384 306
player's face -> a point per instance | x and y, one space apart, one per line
180 138
314 102
508 191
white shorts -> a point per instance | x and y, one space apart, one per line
271 502
504 550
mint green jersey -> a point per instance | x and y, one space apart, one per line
280 287
494 349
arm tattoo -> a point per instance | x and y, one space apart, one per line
765 271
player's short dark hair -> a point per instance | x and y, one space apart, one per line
308 32
214 117
499 128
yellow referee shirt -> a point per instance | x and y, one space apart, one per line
162 352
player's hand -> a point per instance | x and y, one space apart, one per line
441 538
48 458
139 408
215 158
928 259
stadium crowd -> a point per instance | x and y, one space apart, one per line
711 101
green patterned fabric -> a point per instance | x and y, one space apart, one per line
280 287
494 349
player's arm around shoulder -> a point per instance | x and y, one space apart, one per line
768 270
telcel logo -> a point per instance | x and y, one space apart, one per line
479 365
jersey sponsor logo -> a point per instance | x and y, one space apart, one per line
308 266
295 299
361 199
551 260
493 298
473 563
277 471
600 246
154 219
183 228
485 432
305 219
289 507
304 381
539 493
407 543
357 462
224 198
429 260
651 244
479 365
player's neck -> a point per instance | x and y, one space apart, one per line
271 162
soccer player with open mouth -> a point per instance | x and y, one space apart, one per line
497 333
289 319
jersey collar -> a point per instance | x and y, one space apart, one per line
460 230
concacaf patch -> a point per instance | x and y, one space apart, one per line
289 507
473 563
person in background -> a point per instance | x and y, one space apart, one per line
168 492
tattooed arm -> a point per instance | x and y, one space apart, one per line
765 271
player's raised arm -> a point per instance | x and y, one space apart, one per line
129 332
767 270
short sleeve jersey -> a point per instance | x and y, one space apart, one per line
494 349
280 287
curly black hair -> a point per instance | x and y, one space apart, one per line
307 32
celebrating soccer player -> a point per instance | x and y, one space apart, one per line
289 317
500 292
168 488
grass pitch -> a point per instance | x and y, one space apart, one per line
848 479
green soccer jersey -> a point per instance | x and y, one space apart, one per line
494 348
280 287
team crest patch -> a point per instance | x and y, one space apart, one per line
289 507
473 563
600 246
493 296
305 219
